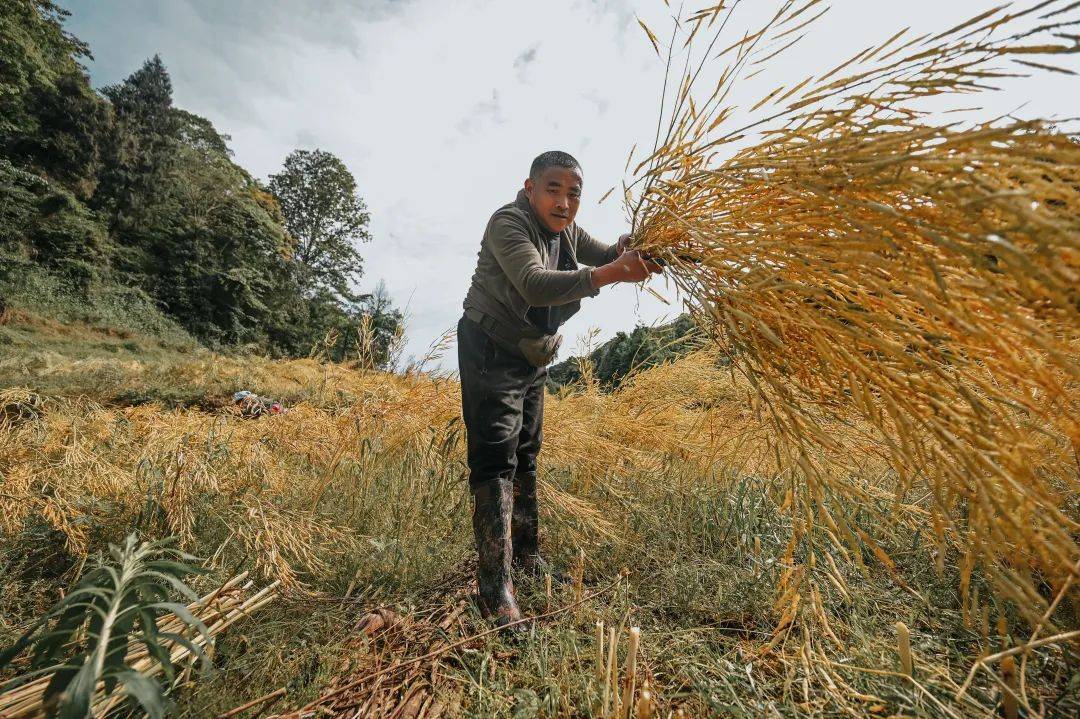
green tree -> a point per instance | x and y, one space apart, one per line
142 150
42 222
326 218
200 135
221 256
51 121
385 323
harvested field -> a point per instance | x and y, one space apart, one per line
356 500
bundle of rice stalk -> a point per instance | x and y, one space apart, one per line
217 610
860 257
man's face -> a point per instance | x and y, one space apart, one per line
555 196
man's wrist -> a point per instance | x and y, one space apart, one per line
603 276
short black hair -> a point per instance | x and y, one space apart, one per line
552 158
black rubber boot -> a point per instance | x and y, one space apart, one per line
492 502
525 526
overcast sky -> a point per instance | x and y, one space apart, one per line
438 107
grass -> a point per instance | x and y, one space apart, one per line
356 498
29 291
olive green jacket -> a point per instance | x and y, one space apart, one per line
516 271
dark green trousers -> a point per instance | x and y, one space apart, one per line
502 402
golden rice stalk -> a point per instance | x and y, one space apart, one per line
601 664
1008 683
611 677
631 672
903 646
644 708
863 261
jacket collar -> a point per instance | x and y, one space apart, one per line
523 204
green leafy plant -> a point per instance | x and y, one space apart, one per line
84 640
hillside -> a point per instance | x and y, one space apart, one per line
117 202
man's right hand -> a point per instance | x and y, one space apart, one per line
630 266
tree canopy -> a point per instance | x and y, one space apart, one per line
326 217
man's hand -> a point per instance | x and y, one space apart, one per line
623 243
629 267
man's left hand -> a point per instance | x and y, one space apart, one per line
624 243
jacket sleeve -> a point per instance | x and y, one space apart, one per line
509 242
591 251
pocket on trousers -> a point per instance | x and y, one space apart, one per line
473 349
485 355
482 361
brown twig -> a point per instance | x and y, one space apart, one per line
253 703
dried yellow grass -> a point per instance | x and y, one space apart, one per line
269 485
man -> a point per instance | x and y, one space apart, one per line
527 283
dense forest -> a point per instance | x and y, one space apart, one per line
129 208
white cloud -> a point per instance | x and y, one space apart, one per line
438 108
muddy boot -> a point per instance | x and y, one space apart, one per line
525 526
492 502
